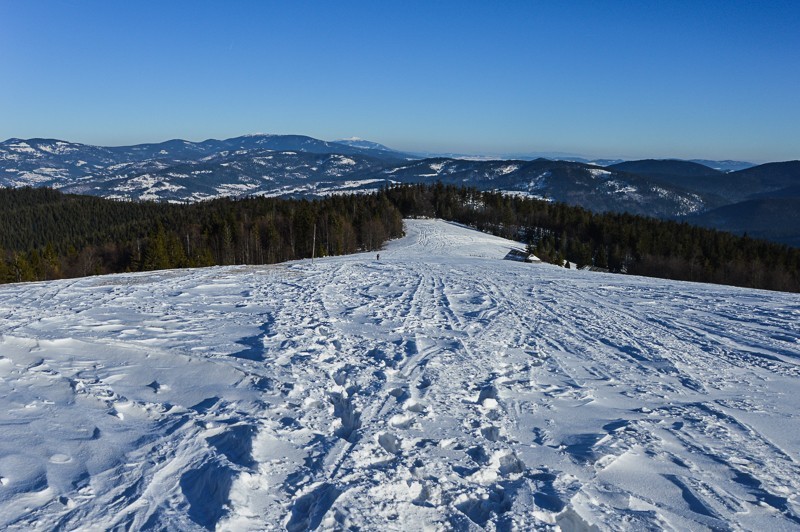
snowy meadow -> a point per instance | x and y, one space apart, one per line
437 388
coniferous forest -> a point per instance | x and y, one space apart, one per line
620 243
45 234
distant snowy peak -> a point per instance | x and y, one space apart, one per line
355 142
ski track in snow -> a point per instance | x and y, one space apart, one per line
437 388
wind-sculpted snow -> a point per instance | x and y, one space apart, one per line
440 387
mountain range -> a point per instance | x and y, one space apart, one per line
760 200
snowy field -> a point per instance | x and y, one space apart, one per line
439 388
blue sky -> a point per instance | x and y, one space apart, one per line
685 79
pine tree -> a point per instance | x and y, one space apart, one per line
155 254
21 270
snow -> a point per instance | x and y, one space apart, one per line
149 186
438 388
24 178
397 169
57 148
507 169
529 195
620 188
690 204
598 173
24 147
341 159
234 189
347 187
55 172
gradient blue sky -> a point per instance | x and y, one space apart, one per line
629 79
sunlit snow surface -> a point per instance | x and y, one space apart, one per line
439 387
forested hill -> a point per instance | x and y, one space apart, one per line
45 234
621 243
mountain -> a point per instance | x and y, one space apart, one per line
762 201
724 166
730 186
355 142
665 168
586 185
440 387
59 164
770 218
253 172
306 144
765 178
296 165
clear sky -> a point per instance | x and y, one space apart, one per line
677 78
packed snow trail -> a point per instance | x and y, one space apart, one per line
440 387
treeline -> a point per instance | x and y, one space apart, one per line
45 234
623 243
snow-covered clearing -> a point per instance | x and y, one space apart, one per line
439 387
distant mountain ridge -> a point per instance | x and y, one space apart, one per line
665 167
356 142
724 166
297 165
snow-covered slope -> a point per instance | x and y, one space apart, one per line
439 387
